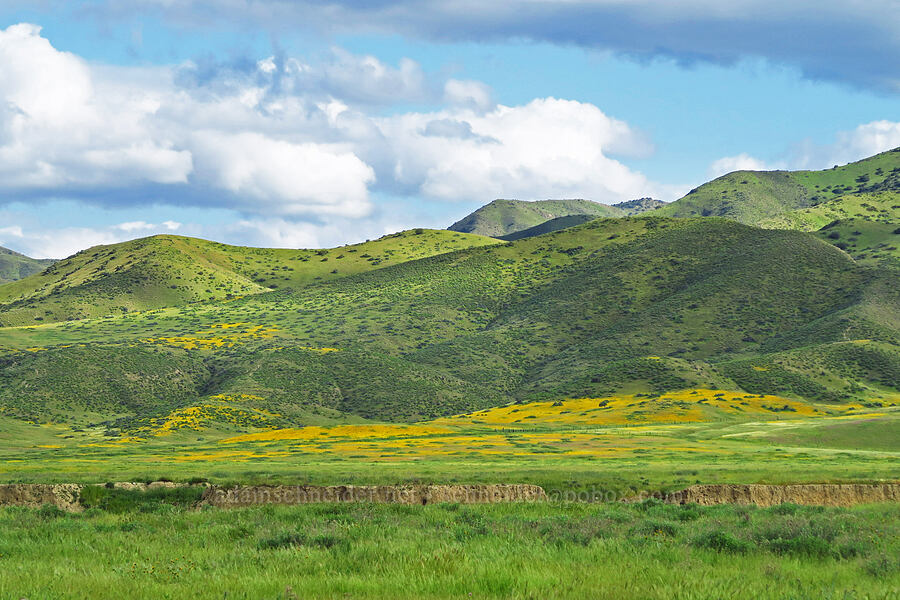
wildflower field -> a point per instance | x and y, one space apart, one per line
589 447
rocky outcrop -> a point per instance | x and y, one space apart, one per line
848 494
64 495
397 494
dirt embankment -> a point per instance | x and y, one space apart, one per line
64 495
848 494
67 496
397 494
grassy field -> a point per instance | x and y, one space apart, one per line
547 550
587 448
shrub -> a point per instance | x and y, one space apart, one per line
50 511
722 541
655 527
802 545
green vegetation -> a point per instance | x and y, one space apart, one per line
503 217
632 305
764 197
638 206
14 266
548 227
168 270
553 550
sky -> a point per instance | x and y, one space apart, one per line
310 124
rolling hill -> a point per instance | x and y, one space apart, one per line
15 266
503 217
638 206
168 270
778 198
548 227
640 305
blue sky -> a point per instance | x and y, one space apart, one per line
303 124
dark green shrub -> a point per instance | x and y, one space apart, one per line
722 541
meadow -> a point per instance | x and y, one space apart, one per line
546 550
582 448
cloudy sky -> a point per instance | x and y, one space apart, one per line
305 124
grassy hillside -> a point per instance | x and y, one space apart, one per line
638 206
15 266
503 217
613 306
761 197
169 270
548 227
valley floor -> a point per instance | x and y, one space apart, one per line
546 550
586 453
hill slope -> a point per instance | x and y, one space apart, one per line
168 270
548 227
636 306
638 206
760 197
503 217
15 266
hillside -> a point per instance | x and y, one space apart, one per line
15 266
503 217
168 270
548 227
638 206
632 306
764 197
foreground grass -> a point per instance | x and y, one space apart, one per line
449 551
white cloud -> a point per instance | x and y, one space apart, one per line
273 176
140 226
547 148
289 139
863 141
60 127
474 95
741 162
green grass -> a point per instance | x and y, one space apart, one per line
168 270
15 266
449 551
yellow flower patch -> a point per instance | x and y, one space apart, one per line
225 335
340 431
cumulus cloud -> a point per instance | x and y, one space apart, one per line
547 148
60 128
279 137
852 42
861 142
864 140
269 176
741 162
468 94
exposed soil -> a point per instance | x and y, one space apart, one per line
66 496
826 494
402 494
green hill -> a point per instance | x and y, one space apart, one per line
15 266
503 217
633 305
548 227
638 206
168 270
764 197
